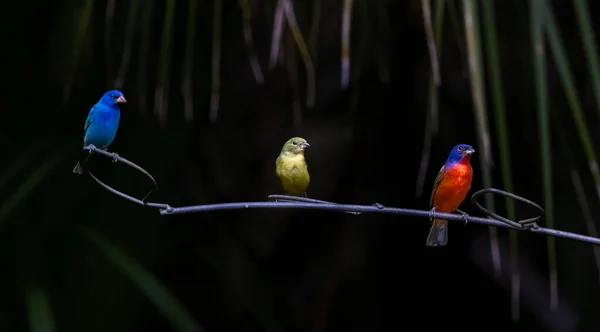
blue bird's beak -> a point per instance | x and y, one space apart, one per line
121 100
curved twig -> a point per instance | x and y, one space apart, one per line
521 224
304 203
116 158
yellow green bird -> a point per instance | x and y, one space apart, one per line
291 167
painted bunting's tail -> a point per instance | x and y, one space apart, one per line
79 168
438 234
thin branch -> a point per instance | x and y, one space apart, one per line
302 203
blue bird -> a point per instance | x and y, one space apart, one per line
101 124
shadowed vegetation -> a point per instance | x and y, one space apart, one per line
381 90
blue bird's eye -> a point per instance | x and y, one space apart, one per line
113 96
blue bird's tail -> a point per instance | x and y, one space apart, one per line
79 167
438 234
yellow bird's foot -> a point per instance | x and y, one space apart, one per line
379 206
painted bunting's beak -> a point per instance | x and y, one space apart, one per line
470 151
304 145
121 100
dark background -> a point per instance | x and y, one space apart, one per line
275 270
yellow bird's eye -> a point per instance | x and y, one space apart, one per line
294 142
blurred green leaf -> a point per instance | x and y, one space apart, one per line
161 94
24 158
216 61
539 62
252 56
26 188
567 151
472 34
82 22
290 15
148 284
566 76
431 118
40 313
502 133
188 63
589 43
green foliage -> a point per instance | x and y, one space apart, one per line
40 312
164 301
151 48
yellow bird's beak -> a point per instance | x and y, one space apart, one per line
304 145
121 100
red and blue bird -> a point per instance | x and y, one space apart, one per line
449 191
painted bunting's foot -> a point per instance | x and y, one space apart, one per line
464 215
432 214
379 206
115 157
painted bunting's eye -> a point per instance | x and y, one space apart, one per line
460 148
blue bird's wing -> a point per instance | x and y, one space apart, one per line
90 118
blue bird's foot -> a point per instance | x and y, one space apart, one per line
379 206
91 148
465 216
432 214
115 157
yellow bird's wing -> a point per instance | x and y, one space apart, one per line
293 173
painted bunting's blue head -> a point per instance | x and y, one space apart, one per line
459 152
112 98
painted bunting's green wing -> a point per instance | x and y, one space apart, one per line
436 183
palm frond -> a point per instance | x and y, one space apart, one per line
165 302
